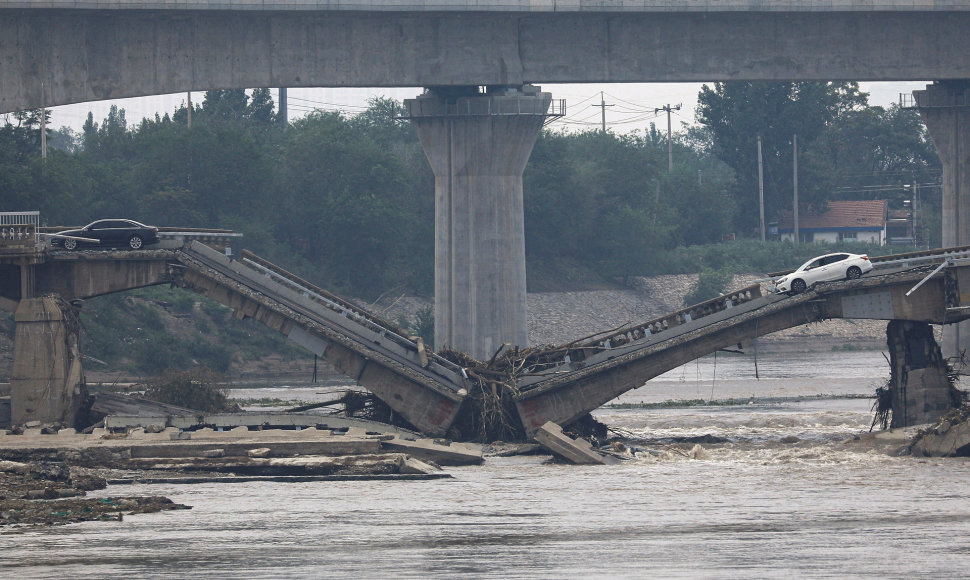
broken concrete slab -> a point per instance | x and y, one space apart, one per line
945 439
440 451
388 463
576 451
412 465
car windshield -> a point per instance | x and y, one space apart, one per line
813 263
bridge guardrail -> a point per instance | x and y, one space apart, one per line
18 235
19 228
219 239
342 307
578 351
263 276
918 258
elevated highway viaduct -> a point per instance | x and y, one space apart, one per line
54 52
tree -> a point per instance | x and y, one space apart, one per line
348 205
225 105
737 113
260 107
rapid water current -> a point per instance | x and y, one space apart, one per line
794 492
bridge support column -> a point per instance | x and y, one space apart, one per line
945 108
919 386
46 382
478 145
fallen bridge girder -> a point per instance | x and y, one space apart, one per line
570 395
429 408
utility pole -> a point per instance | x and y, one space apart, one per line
281 114
761 191
603 106
43 121
670 144
189 108
795 182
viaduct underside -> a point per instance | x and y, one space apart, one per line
59 56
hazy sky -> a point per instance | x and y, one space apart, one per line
629 106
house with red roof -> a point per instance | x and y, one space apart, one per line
849 221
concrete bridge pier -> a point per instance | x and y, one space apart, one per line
46 382
945 108
478 144
920 389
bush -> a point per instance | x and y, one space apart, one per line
710 284
201 389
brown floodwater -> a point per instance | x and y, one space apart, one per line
789 493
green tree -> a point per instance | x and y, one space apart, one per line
737 113
260 107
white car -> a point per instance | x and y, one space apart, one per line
840 266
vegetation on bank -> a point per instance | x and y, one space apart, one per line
200 389
151 330
347 202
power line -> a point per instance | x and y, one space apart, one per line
603 106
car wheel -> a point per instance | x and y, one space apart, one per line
135 242
797 286
853 273
70 244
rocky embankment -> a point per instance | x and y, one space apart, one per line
561 317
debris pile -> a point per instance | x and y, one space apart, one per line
950 437
52 493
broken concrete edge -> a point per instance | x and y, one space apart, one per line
948 437
282 478
241 442
578 451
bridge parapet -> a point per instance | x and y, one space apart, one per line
575 355
18 236
177 237
19 229
348 310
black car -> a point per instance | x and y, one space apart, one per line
124 233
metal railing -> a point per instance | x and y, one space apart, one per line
928 99
578 353
341 307
483 106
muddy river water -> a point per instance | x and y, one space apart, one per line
791 494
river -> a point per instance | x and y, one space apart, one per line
793 493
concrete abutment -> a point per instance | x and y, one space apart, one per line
478 145
47 382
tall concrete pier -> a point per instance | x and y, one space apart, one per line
919 386
478 144
945 108
46 383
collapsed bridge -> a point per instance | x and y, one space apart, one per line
513 394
